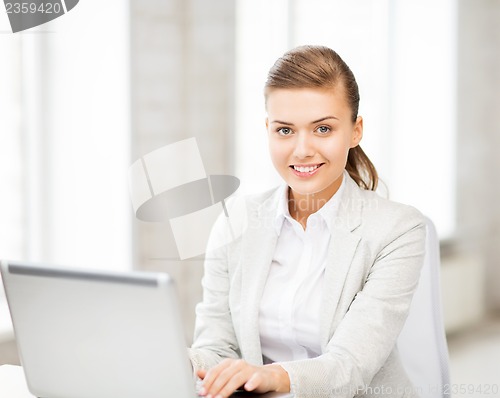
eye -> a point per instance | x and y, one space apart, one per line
323 129
284 131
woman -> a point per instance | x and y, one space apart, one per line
311 298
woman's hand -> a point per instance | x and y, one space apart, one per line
225 378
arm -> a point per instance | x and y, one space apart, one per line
214 336
215 353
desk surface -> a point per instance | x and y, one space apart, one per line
6 329
13 385
12 382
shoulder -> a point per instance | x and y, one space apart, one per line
260 198
377 208
258 204
381 218
240 212
254 201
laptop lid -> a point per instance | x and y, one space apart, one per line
97 334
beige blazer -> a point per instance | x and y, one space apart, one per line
375 255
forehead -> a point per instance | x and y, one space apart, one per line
306 103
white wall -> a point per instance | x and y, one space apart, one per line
182 55
478 138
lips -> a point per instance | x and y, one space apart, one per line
305 170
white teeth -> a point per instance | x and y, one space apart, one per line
305 169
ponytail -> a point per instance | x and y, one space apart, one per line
361 169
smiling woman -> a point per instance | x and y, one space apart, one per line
312 99
314 295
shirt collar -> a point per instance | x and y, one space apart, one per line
282 210
327 212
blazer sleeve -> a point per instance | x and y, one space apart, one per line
368 332
214 336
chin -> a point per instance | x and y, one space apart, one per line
303 189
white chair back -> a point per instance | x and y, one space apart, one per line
422 342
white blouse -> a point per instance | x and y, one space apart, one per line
289 309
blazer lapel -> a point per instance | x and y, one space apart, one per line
258 246
343 244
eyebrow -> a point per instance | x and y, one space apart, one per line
313 122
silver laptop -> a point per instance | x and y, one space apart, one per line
83 334
98 334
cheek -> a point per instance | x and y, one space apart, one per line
278 151
336 148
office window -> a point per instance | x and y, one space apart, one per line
65 139
403 57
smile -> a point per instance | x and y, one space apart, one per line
305 170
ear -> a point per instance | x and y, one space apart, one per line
357 132
267 123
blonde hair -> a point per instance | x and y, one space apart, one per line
321 67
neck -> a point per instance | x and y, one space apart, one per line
301 206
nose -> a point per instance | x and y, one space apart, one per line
304 146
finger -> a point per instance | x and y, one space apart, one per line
225 377
254 382
211 375
201 373
232 385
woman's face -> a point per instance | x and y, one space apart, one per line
310 133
